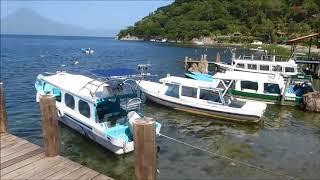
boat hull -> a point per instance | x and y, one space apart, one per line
221 115
89 132
269 99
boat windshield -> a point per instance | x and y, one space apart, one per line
108 111
210 95
173 90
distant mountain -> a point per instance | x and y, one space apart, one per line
28 22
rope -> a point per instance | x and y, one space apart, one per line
228 158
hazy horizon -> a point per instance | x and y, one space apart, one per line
73 18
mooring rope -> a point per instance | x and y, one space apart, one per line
226 157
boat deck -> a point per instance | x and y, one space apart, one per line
21 159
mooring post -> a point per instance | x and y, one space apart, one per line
49 123
3 112
145 149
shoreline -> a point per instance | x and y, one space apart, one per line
285 49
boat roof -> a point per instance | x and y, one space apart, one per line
78 85
290 63
247 76
190 82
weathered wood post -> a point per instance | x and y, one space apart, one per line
3 112
145 149
49 123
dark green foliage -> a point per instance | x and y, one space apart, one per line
187 19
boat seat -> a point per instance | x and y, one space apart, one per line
132 104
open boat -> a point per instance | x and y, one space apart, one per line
104 112
206 98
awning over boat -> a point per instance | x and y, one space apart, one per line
116 72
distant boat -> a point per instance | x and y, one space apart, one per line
87 51
260 64
256 42
259 49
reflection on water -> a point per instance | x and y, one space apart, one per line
288 142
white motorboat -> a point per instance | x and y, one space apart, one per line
206 98
260 64
101 111
88 51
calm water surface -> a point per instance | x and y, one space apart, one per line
289 142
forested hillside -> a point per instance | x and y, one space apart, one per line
268 20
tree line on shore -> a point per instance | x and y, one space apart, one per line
267 20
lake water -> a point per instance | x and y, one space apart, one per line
288 143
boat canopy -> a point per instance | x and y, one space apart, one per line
190 82
84 87
246 76
116 73
290 63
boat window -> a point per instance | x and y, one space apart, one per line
277 68
264 67
289 69
189 91
173 90
271 88
252 66
57 93
69 100
107 110
210 95
249 85
47 88
240 65
84 108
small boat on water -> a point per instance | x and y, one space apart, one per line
200 97
88 51
262 87
104 112
258 49
260 64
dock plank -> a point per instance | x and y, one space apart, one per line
23 163
40 168
102 177
65 171
77 173
51 170
88 175
21 159
31 147
14 148
29 167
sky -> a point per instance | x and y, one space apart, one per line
114 15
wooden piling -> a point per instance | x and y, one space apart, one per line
49 123
145 149
3 112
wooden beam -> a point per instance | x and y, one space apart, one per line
3 112
145 149
49 123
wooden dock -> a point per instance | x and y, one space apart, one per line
21 159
